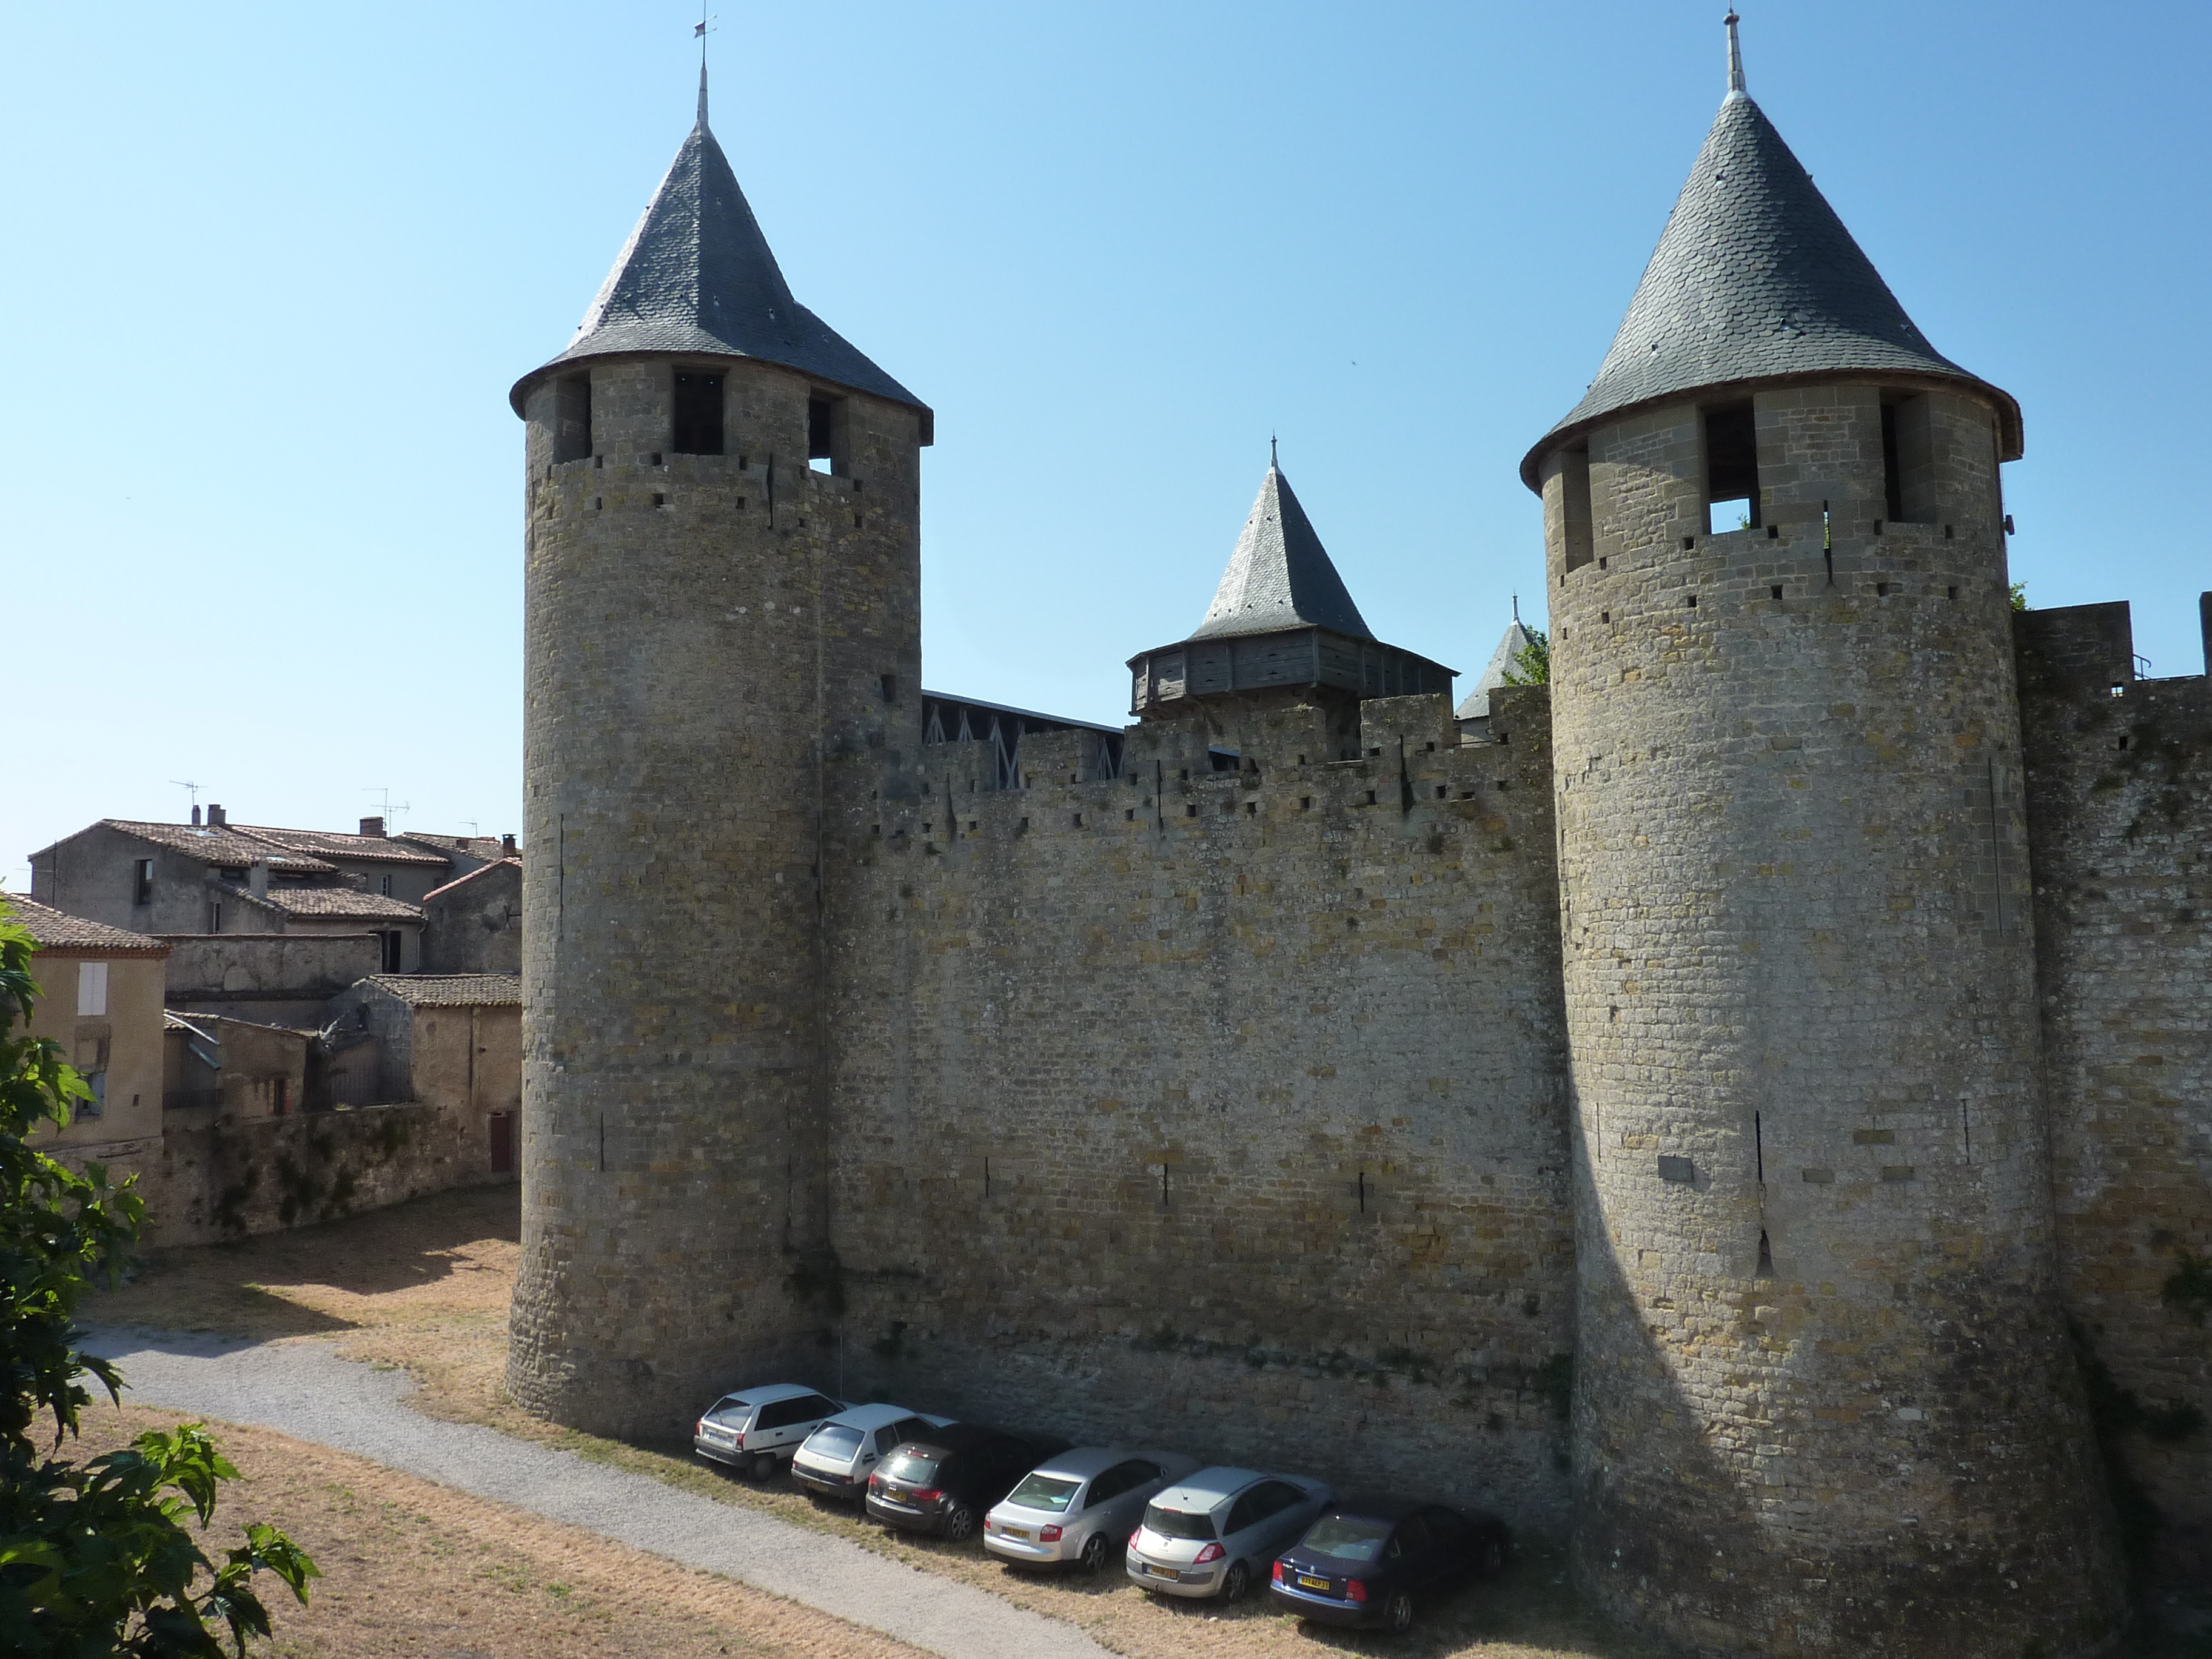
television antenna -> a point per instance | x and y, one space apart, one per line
386 808
193 789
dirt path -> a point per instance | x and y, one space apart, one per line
412 1568
305 1390
425 1287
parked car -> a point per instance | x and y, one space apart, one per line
1370 1561
757 1430
1213 1533
1077 1505
837 1460
944 1480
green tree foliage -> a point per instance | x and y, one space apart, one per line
96 1558
2019 592
1532 663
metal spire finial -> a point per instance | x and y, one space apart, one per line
1736 58
699 34
1271 467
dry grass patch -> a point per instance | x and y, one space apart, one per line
426 1285
411 1568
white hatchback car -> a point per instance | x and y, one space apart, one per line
1219 1532
756 1431
837 1460
1077 1505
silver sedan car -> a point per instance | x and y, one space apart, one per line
1218 1532
1076 1506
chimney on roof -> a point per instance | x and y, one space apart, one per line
507 842
257 879
216 818
195 818
372 826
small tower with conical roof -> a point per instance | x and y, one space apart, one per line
1282 623
1824 1401
721 604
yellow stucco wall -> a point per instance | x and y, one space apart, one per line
124 1043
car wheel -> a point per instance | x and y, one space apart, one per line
1398 1613
1235 1582
1094 1548
960 1523
764 1467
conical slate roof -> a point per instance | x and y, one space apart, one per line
1501 661
1755 279
1281 576
697 276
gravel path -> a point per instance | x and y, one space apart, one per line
303 1389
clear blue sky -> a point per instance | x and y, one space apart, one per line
272 271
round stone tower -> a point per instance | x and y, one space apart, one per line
722 603
1824 1400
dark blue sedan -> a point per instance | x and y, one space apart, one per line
1368 1562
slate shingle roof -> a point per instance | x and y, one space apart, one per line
451 990
1281 576
1509 648
697 276
58 930
1756 279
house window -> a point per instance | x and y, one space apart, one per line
698 413
384 885
1731 469
572 417
214 916
391 951
97 1106
91 989
142 880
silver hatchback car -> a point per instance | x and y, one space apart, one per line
1077 1505
756 1431
1219 1532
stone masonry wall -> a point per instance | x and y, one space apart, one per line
1825 1398
2120 793
1217 1110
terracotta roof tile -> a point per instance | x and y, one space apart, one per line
58 930
451 990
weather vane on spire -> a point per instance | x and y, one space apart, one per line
1271 449
699 32
1735 57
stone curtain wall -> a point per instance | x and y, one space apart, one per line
2120 791
1217 1110
214 1180
1825 1398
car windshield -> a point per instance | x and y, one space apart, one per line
730 1411
1044 1492
906 1465
835 1440
1176 1523
1346 1539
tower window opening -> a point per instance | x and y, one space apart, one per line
1731 469
826 434
1908 460
890 688
1222 760
572 417
698 425
1576 536
1766 1256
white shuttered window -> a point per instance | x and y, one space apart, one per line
92 987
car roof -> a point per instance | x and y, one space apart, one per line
876 1416
769 1392
1081 1462
1377 1506
1208 1487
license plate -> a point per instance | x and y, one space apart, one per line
1311 1582
897 1494
1160 1572
1014 1532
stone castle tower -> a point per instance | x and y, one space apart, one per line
1824 1395
1629 1104
722 596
